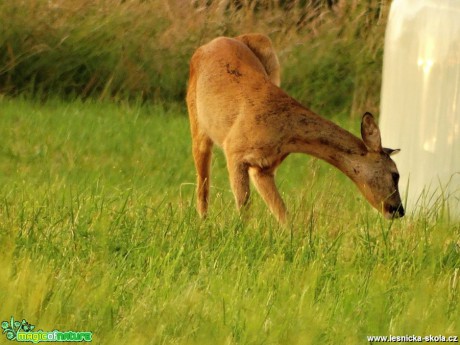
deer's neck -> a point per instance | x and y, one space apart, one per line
319 137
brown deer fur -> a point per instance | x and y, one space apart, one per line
234 101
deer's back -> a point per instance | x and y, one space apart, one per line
230 85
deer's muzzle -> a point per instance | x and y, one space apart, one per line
394 211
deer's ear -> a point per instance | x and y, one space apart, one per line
391 152
370 133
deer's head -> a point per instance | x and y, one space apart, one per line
377 176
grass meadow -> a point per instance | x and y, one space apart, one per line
98 232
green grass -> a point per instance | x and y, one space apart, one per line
98 232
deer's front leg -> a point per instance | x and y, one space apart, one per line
264 181
239 181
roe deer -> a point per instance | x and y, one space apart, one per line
234 100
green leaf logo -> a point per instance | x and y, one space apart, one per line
10 329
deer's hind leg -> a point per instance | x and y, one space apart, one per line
202 153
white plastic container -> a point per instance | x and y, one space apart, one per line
420 103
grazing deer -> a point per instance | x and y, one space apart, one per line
234 101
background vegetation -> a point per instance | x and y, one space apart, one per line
330 51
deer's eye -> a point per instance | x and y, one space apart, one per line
395 177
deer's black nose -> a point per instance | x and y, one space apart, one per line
396 211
